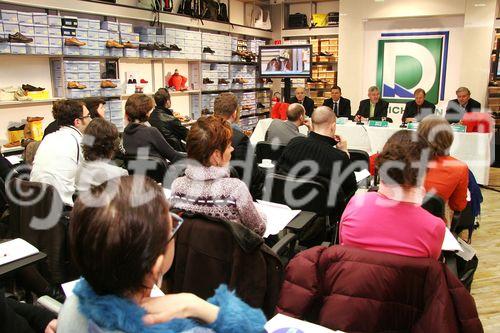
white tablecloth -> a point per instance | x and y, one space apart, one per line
471 148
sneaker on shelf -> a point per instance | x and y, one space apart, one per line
237 81
143 81
76 85
129 45
29 87
19 38
108 84
207 81
223 81
113 44
73 41
20 95
208 50
174 47
149 47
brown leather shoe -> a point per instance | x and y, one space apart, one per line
129 45
19 38
73 41
110 44
108 84
76 85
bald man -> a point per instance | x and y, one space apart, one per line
281 132
324 148
301 98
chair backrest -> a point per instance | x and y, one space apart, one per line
360 155
37 216
267 150
229 253
151 166
434 204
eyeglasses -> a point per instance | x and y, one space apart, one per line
176 224
87 116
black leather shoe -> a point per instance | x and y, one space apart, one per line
208 50
19 38
174 47
207 81
29 87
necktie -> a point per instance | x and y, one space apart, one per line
335 110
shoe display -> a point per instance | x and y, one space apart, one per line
129 45
240 80
76 85
207 81
29 87
73 41
208 50
149 47
21 95
223 81
19 38
161 47
111 43
143 81
109 84
174 47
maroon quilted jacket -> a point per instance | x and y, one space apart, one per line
355 290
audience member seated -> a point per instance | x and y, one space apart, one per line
457 107
206 187
139 133
392 220
340 105
59 154
242 158
301 98
446 176
164 120
373 107
418 108
53 126
96 106
323 148
281 132
123 246
100 141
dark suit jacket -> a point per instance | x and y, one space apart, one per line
454 111
380 109
412 111
344 106
170 127
308 104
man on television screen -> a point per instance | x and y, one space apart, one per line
301 98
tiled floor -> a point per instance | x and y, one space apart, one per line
486 242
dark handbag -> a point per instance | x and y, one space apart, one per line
297 20
222 15
333 19
210 9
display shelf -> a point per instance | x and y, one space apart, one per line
255 114
18 103
172 93
310 32
229 62
233 90
325 63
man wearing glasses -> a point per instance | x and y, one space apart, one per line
59 154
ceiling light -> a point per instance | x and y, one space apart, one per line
479 5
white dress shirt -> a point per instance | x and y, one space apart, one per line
56 161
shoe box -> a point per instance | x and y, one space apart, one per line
220 44
247 102
215 72
207 102
249 123
114 112
245 72
195 106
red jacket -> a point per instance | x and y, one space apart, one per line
355 290
279 111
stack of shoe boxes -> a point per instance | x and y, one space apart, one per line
207 103
263 99
216 47
195 107
88 32
188 41
55 37
113 35
127 35
243 76
147 35
114 113
69 25
215 76
253 45
101 42
4 46
11 26
194 76
236 45
247 102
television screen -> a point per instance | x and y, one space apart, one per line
285 60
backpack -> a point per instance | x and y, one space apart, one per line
222 15
210 9
185 8
297 20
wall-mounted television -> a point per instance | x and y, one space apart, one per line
285 61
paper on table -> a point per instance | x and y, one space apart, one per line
283 324
15 249
360 175
278 216
14 159
69 286
450 243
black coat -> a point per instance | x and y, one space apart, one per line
380 109
413 111
343 106
308 104
170 127
454 111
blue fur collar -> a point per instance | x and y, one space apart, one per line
111 312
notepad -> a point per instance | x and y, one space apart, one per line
284 324
360 175
450 243
15 249
14 159
278 216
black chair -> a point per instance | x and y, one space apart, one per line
362 158
276 189
267 150
151 166
434 204
464 220
38 215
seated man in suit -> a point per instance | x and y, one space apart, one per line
340 105
281 132
372 108
463 103
324 148
419 108
301 98
242 157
